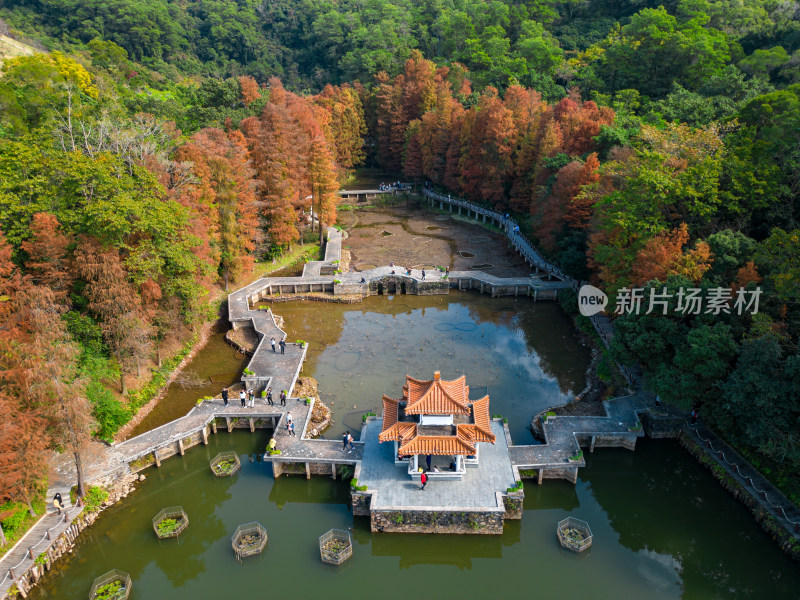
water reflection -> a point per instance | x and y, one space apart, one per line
360 352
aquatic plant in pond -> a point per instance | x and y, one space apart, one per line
574 534
225 464
335 546
170 522
249 539
114 585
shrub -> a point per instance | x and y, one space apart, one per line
94 497
12 522
367 415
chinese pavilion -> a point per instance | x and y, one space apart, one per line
436 418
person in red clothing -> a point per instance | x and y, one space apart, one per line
424 479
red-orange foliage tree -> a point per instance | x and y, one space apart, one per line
249 88
486 161
48 262
114 300
225 181
346 125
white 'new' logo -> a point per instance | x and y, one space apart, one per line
591 300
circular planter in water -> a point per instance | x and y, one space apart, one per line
225 464
574 534
335 546
114 585
465 254
170 522
249 540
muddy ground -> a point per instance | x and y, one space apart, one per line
413 236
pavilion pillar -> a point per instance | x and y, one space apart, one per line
180 447
205 436
229 423
308 471
415 463
333 470
541 474
459 211
484 218
252 425
214 426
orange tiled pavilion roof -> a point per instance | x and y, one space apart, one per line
435 397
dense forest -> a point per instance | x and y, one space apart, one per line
152 151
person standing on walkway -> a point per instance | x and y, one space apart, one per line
283 346
225 395
423 478
58 502
350 442
289 419
243 398
344 440
423 274
283 398
272 341
291 429
251 395
269 396
694 417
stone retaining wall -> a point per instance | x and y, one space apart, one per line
420 521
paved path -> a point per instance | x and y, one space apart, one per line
478 487
37 540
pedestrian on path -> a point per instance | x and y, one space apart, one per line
283 398
344 440
283 346
269 396
424 480
694 417
291 429
58 502
423 274
350 442
289 419
225 395
272 341
243 398
252 397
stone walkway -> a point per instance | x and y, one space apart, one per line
18 559
477 489
562 433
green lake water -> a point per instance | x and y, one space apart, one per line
663 528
